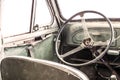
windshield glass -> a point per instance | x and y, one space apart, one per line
107 7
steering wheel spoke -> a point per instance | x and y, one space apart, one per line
79 48
100 43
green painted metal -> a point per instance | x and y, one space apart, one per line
16 51
45 49
41 50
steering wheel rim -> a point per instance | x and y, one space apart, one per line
99 56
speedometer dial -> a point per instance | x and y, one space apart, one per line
78 37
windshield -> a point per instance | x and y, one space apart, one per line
107 7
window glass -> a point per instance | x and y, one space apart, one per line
15 17
43 16
108 7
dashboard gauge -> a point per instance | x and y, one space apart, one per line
78 37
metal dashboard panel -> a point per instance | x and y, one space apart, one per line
74 34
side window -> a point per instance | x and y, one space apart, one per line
43 16
15 17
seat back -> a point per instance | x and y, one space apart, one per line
25 68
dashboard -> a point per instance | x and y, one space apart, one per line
74 34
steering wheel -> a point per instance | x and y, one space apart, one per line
87 41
